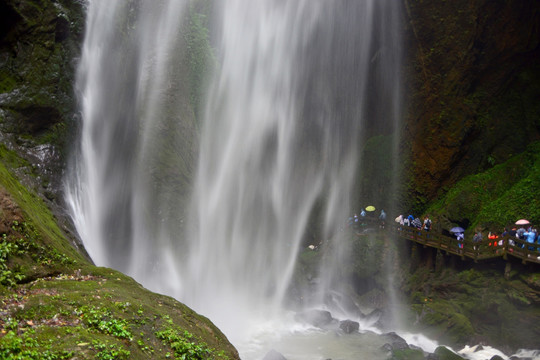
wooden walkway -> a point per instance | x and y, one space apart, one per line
486 249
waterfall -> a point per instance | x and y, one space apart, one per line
274 165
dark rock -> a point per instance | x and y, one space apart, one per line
387 347
479 348
274 355
398 343
445 354
432 357
319 318
349 326
496 357
373 316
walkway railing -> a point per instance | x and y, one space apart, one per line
485 249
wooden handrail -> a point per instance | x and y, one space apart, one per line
485 249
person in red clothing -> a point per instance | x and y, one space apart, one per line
492 239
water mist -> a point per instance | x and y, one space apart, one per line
299 87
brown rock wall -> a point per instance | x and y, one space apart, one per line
472 78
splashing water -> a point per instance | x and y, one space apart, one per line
299 88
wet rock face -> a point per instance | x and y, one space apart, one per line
473 81
39 42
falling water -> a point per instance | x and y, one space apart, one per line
299 87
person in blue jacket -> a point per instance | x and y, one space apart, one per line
530 237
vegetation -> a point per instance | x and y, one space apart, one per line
48 291
471 303
496 198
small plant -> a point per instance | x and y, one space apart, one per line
24 347
110 351
8 277
102 320
185 347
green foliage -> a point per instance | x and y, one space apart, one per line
102 320
110 351
25 347
21 246
185 347
498 197
8 277
407 354
39 219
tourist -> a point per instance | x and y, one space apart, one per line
382 218
492 239
460 237
530 237
520 234
477 238
407 222
427 223
411 219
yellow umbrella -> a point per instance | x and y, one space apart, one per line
370 208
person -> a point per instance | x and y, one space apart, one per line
460 236
530 236
492 239
363 213
477 238
406 221
411 219
350 221
427 223
520 235
382 218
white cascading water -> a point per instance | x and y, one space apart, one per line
298 85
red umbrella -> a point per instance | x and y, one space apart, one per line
522 222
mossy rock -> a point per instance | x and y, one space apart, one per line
49 291
445 354
496 198
407 354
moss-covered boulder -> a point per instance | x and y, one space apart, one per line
444 354
468 303
55 304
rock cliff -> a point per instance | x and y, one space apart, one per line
473 89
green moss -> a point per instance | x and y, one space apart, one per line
104 312
475 303
41 227
407 354
445 354
498 197
49 291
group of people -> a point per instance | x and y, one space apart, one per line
355 221
529 235
411 221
